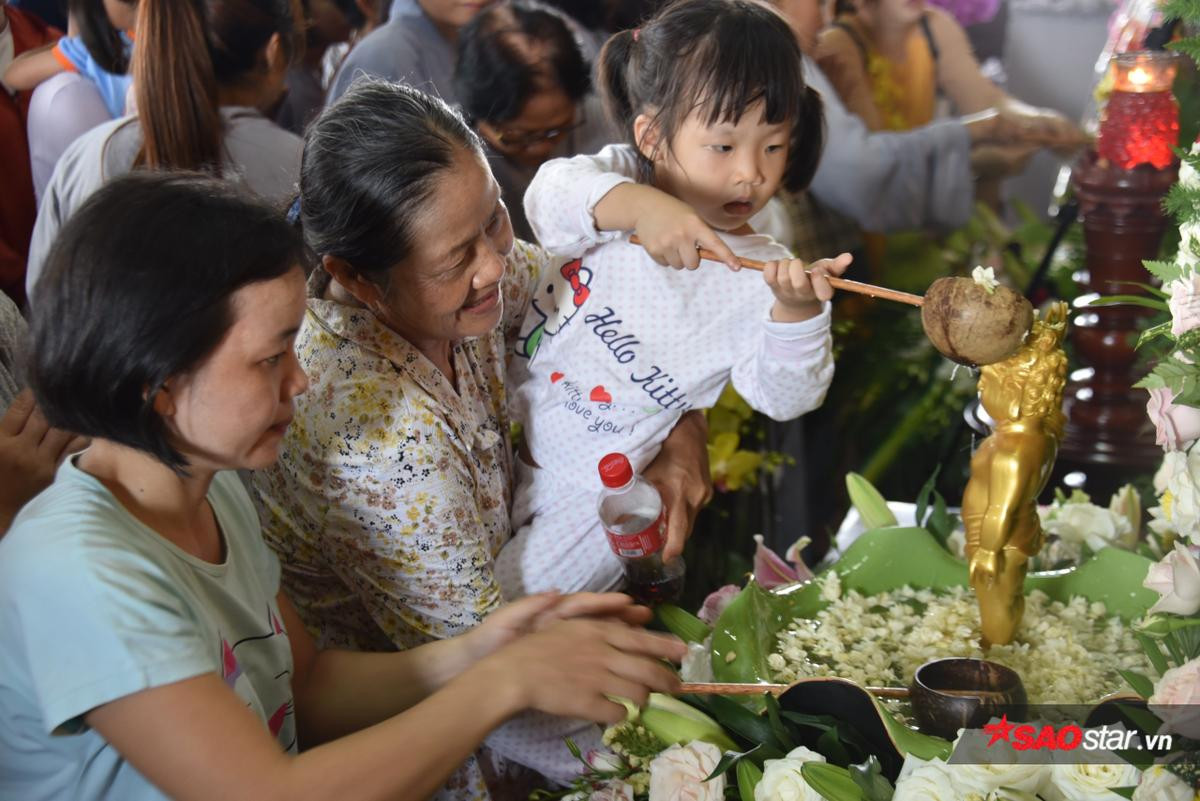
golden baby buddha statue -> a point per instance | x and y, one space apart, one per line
1023 395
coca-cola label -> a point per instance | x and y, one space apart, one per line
642 543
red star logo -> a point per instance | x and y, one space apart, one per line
999 731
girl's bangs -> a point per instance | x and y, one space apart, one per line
729 77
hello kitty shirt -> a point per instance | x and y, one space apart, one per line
613 350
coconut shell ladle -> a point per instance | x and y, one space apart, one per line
965 321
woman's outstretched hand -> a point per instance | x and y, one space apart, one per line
572 667
538 612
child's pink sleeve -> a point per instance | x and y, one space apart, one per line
562 197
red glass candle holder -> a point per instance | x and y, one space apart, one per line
1140 124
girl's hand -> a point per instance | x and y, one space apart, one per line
571 666
799 293
671 231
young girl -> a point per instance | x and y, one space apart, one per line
712 99
97 47
146 649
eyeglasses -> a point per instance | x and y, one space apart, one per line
523 140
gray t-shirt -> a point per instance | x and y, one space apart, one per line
409 49
95 606
259 155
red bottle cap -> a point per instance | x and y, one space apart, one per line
615 470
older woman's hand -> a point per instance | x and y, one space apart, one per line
680 472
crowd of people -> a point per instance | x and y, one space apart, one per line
293 274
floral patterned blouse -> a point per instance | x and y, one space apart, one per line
391 495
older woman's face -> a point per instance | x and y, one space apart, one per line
530 138
449 286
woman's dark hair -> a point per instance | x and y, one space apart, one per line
102 40
371 161
136 290
511 50
354 15
610 15
718 57
186 51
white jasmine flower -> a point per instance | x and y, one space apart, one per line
986 278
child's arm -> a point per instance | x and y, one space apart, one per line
32 68
575 204
785 370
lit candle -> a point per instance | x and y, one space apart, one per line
1140 124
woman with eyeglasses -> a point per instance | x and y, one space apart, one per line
526 88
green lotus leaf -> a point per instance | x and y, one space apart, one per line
887 559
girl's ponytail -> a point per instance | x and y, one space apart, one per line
808 141
176 88
614 62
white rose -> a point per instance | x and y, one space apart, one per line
678 773
926 782
1087 523
1160 784
972 772
1177 581
1179 504
615 790
1011 794
782 780
1088 781
1176 699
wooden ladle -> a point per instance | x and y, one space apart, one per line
966 322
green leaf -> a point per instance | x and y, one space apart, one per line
1124 792
1154 332
1165 271
1152 651
831 746
1181 9
1153 290
782 735
941 523
728 760
923 496
748 777
832 782
1144 719
1190 47
682 624
1139 759
819 722
1130 300
743 722
1161 625
1140 684
870 779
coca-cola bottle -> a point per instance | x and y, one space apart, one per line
631 511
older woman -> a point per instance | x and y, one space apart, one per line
390 501
525 84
